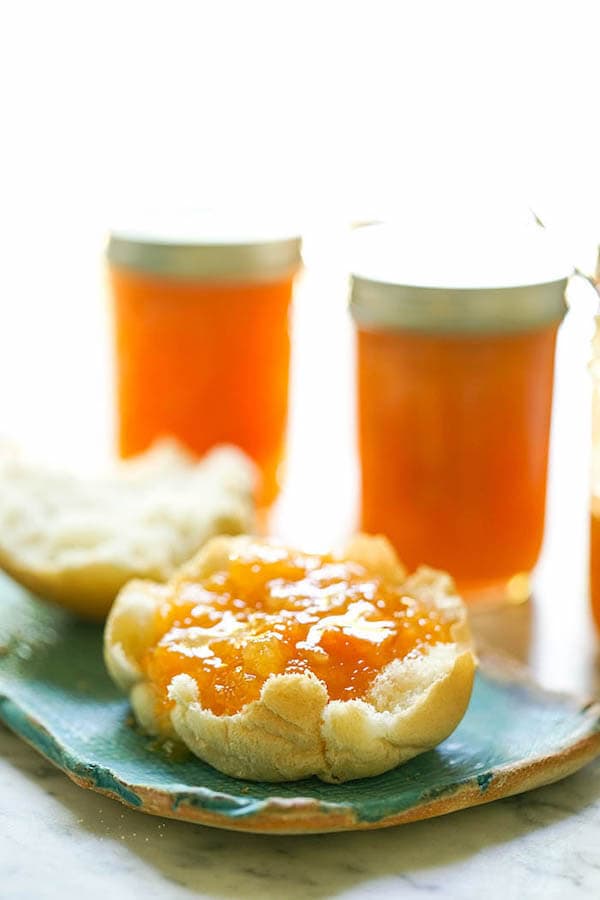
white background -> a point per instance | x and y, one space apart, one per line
335 111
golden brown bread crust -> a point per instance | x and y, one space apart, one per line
293 730
88 591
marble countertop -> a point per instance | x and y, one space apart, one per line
57 840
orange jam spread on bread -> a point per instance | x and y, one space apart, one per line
273 611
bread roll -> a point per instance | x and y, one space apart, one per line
78 541
294 729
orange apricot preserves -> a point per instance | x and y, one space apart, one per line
202 346
207 364
453 437
595 561
456 331
273 610
594 551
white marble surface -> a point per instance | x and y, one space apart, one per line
57 840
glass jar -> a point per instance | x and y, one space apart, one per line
595 492
202 338
454 405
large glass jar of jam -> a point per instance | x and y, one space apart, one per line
455 381
595 499
201 313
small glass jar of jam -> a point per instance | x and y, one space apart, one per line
201 312
455 378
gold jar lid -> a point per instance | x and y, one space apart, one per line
399 282
205 246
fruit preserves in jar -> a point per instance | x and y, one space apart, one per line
595 561
453 441
595 486
202 346
455 361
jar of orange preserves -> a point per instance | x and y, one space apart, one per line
455 380
202 338
595 499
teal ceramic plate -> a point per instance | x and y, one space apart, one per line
54 692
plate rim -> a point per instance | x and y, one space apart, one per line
305 815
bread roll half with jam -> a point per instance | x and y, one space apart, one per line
273 664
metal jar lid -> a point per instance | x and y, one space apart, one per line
205 247
515 286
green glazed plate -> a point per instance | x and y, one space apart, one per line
55 693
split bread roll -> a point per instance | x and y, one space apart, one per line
77 541
288 725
